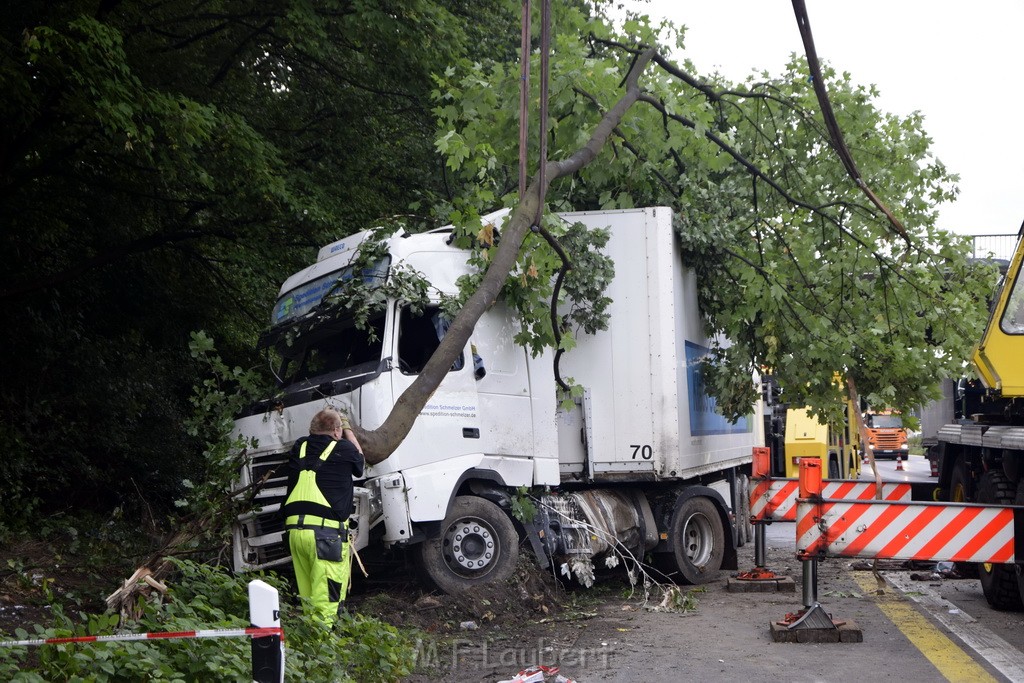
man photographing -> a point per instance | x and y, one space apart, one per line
316 510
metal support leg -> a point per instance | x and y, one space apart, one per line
761 573
760 546
810 583
813 615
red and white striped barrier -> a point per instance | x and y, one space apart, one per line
774 500
957 532
905 531
901 530
251 632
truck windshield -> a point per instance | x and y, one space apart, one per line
885 422
1012 321
307 296
335 350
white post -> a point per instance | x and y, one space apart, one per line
268 651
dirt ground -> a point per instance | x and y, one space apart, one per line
492 632
29 569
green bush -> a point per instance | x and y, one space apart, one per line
358 648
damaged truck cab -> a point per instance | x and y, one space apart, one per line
642 465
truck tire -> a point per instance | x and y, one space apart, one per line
958 488
998 581
958 482
833 468
478 544
698 540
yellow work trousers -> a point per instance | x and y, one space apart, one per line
322 583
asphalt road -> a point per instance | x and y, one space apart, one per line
917 625
915 470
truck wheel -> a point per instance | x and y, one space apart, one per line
958 482
958 494
698 539
998 581
478 544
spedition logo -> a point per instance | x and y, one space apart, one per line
448 410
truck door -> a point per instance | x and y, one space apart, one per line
449 424
503 386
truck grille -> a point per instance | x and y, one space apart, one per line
258 537
270 464
888 441
268 523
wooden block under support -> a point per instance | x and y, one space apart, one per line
780 584
846 632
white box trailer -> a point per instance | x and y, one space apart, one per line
642 464
649 415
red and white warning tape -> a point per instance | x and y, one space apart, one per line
252 632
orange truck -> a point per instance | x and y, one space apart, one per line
886 436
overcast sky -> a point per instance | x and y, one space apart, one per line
961 64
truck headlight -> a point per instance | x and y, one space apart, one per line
905 447
871 446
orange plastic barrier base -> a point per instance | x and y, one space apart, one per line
758 574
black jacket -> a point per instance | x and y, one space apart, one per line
334 477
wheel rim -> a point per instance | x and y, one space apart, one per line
470 547
698 540
958 495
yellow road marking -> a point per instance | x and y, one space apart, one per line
945 655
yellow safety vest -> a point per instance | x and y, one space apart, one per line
306 505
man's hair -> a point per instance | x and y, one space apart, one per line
325 422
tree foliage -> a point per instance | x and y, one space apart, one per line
800 274
163 167
358 648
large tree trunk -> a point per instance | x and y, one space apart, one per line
379 443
